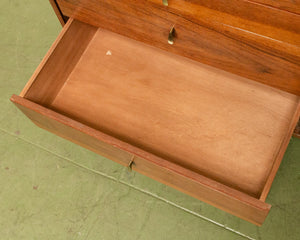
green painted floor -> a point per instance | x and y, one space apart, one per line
53 189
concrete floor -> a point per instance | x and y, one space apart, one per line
53 189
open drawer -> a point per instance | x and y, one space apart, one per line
211 134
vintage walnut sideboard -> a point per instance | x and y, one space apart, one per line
202 95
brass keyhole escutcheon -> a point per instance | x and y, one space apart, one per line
165 2
171 36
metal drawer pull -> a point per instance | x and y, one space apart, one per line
129 166
165 2
171 36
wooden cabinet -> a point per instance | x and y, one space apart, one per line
113 83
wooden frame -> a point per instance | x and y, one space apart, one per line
82 50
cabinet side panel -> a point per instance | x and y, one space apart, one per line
62 19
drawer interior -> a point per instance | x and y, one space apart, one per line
214 123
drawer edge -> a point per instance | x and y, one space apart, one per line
200 187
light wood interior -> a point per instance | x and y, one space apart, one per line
222 126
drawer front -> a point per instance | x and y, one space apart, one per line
257 50
216 194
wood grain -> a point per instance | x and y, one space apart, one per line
218 195
266 53
283 40
250 10
287 5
